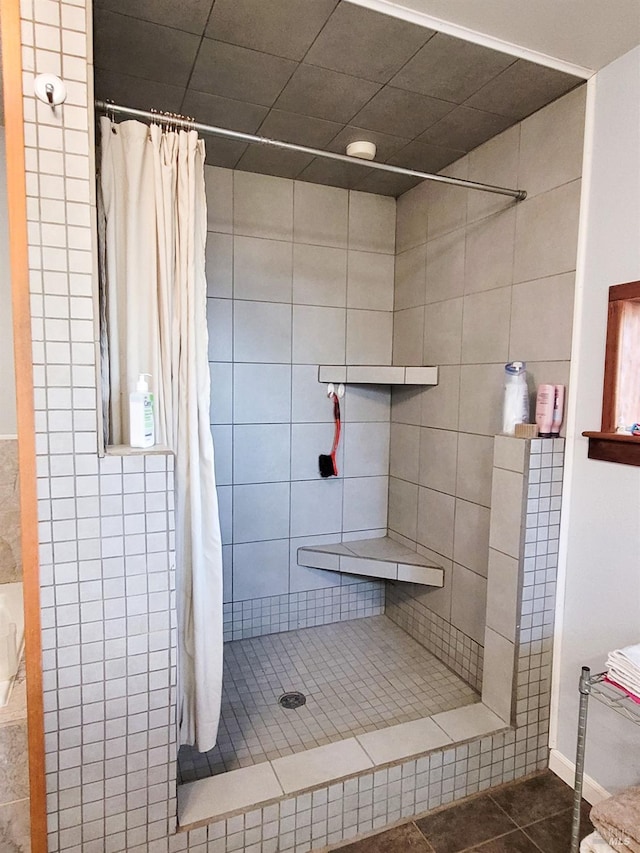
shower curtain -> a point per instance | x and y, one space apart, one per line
153 227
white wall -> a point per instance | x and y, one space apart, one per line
602 525
7 377
588 33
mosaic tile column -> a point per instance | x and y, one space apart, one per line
523 559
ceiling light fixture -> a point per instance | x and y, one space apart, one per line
362 149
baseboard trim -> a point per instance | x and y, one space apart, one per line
566 770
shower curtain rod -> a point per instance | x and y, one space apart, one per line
188 124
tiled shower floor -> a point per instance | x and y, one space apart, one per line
358 676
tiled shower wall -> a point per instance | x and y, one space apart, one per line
480 280
299 275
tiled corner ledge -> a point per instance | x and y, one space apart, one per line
236 791
376 558
378 375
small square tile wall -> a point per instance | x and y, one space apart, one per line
479 281
299 275
408 607
105 525
272 614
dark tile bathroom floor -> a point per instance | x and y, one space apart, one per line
531 816
358 676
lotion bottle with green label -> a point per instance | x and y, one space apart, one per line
141 420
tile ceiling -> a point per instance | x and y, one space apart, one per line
319 73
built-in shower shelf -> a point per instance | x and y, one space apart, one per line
375 558
361 374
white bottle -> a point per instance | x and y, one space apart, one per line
141 419
515 408
8 646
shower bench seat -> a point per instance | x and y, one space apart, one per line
376 558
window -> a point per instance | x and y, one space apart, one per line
621 392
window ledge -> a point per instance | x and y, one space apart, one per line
614 447
125 450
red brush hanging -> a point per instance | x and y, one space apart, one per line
327 463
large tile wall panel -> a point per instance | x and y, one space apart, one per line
299 275
480 280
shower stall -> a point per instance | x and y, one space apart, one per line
304 279
355 693
301 276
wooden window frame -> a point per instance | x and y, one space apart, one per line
621 377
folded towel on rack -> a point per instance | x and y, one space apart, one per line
617 819
595 843
623 668
626 692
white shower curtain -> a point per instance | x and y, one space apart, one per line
154 292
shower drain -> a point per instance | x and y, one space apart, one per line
293 699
